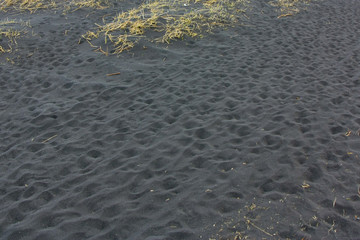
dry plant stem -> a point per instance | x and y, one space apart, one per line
3 50
10 35
113 74
285 15
260 229
45 141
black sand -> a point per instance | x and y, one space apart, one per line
251 132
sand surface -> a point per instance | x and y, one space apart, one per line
250 132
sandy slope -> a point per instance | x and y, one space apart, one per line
243 133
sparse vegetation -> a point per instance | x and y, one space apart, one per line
35 5
155 20
98 4
289 7
171 19
28 5
10 30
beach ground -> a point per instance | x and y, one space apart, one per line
249 131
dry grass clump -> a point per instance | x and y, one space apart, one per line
289 7
10 30
167 20
34 5
98 4
29 5
154 20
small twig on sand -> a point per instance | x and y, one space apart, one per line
262 230
45 141
113 74
285 15
332 228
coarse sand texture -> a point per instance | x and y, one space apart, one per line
179 120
